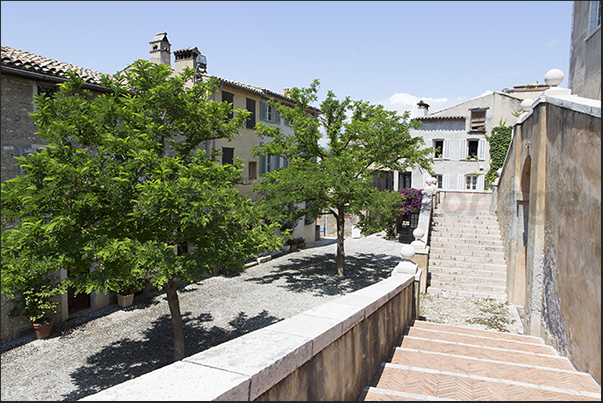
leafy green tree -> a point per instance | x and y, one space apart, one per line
499 140
361 140
122 191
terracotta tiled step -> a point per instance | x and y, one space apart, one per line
485 353
564 379
479 340
455 386
472 331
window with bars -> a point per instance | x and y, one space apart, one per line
478 120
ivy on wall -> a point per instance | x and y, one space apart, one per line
499 140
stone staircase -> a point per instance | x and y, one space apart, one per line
466 256
443 362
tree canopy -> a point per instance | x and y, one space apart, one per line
361 140
122 192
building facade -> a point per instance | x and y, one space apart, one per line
457 136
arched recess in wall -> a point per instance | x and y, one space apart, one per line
523 200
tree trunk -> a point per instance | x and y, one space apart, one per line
171 289
340 217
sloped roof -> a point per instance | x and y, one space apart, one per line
26 61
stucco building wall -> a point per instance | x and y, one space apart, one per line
584 76
549 207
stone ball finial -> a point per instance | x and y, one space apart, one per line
407 252
526 104
553 77
431 180
418 233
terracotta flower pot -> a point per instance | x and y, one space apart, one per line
42 330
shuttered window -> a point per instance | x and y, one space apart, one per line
250 106
227 155
269 113
228 97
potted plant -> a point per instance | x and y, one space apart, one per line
125 289
35 302
292 243
301 242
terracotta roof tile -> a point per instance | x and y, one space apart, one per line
21 60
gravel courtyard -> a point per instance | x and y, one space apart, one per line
95 351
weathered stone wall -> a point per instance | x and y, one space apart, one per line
549 209
18 129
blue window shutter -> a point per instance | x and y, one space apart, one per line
277 117
263 110
262 164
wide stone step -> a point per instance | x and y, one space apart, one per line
469 277
483 258
469 265
448 241
466 220
437 270
474 250
447 291
473 231
440 224
472 331
466 284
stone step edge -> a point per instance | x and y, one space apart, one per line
555 355
496 380
553 351
397 393
515 364
471 331
433 290
435 269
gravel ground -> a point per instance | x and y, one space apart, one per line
111 345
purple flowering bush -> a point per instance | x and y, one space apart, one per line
411 203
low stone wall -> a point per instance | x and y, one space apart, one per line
326 353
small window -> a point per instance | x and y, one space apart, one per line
471 182
250 106
269 113
478 120
440 181
46 90
227 155
228 97
438 149
472 148
252 170
594 16
405 180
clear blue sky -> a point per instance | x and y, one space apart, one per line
391 52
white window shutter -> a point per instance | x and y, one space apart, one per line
463 150
446 151
459 181
480 182
481 150
446 180
425 177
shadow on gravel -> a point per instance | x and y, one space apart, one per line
127 359
316 274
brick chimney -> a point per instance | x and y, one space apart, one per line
160 49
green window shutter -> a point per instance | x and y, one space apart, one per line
263 110
277 162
